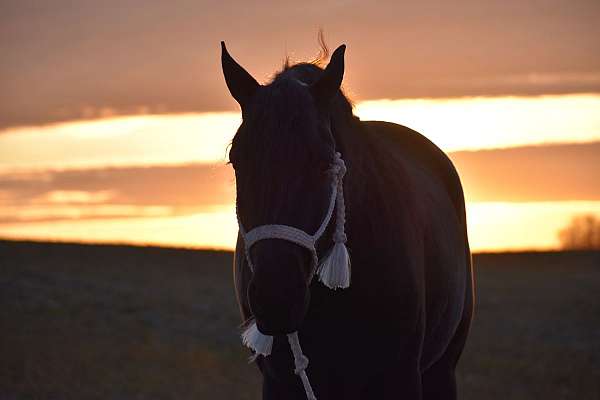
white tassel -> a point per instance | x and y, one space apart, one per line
259 342
334 270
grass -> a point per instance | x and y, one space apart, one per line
536 333
121 322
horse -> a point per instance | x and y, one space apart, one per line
399 329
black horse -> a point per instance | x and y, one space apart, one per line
398 331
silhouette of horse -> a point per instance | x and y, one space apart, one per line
399 329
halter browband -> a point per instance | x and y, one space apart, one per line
333 271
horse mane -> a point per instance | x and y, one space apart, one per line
321 57
309 71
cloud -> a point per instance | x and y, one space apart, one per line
532 173
459 124
75 197
28 213
523 174
69 60
123 141
193 204
114 192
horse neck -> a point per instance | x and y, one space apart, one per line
350 139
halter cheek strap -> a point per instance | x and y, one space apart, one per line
333 270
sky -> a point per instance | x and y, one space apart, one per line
115 119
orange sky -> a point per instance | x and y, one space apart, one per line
63 59
114 119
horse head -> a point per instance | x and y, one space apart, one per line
284 159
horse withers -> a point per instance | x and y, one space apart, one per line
398 330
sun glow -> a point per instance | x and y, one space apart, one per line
479 123
120 141
453 124
216 229
500 226
493 226
105 214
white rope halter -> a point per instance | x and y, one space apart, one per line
333 270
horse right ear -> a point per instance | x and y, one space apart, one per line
240 83
329 83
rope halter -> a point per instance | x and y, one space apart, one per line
333 270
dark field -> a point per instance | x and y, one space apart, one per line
120 322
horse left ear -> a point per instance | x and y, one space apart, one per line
327 86
240 83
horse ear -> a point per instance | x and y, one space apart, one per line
240 83
327 86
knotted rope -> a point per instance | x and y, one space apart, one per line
300 364
333 270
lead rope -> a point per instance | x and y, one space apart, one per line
300 364
333 271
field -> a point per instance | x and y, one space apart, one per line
121 322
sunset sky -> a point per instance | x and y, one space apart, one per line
115 119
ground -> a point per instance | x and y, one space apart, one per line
122 322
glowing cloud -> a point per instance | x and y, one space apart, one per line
453 124
479 123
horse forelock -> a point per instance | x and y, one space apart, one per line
281 125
